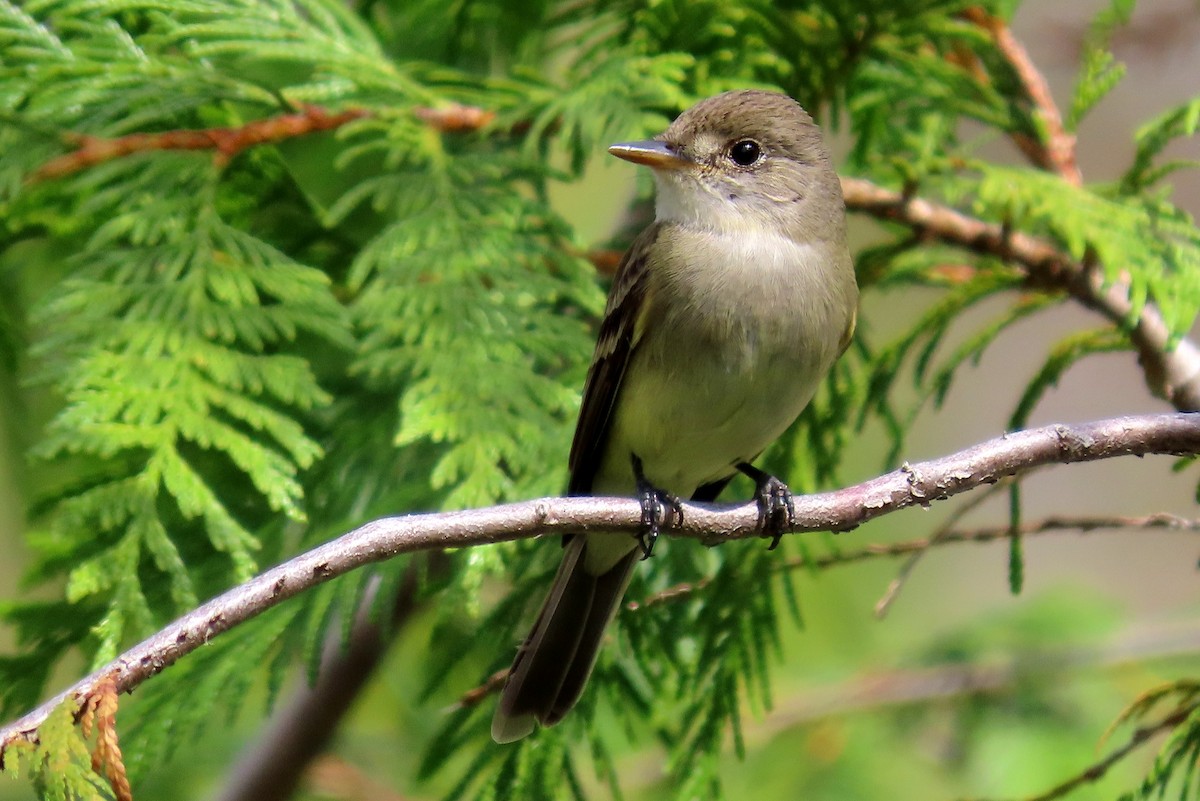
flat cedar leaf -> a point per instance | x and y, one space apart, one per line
1099 75
1153 137
60 763
1148 242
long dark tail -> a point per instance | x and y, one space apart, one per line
553 664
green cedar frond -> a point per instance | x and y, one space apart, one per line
1099 75
218 679
1100 72
602 103
1152 138
169 346
929 329
45 631
454 300
973 348
59 765
1016 553
1148 241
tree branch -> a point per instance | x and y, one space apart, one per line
1057 152
1050 525
227 142
946 528
841 510
1172 370
984 534
880 690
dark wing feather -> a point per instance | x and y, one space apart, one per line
707 493
614 348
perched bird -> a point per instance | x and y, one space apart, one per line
723 318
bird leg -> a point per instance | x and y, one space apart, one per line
659 508
776 510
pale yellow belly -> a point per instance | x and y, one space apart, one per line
691 423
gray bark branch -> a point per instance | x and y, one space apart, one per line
840 510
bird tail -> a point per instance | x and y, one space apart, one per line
552 666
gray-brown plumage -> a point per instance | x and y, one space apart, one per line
723 317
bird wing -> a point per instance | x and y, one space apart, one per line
620 331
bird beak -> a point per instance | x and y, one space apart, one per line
652 153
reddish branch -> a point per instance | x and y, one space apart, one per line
227 142
841 510
1057 152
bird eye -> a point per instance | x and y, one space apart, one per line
745 152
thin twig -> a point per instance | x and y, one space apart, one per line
841 510
1051 525
476 695
228 142
948 682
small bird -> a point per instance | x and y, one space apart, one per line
724 316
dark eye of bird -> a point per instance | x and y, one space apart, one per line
745 152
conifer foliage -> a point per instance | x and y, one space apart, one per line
275 267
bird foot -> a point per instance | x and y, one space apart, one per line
660 509
776 509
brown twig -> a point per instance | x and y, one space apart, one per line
1057 152
476 695
227 142
841 510
455 118
947 682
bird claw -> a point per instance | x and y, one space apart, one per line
776 508
660 509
